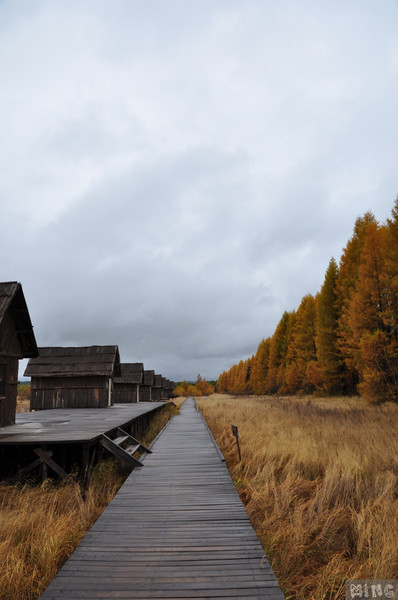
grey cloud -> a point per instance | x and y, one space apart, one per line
174 176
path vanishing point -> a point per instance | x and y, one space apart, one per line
175 529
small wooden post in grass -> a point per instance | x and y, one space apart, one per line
235 433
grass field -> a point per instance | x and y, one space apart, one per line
319 481
23 397
40 526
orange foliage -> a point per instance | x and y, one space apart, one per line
200 388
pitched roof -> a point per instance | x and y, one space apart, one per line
149 377
13 300
130 373
75 361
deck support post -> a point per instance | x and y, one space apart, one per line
88 465
44 461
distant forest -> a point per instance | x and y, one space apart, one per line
342 341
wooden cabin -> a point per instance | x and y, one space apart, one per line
170 389
157 388
163 393
79 377
126 388
17 341
146 386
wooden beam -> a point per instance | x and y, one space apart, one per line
45 456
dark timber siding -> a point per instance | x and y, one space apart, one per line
145 393
125 393
156 389
68 392
146 387
16 341
8 391
126 387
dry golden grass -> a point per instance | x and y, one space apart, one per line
40 526
23 405
179 400
319 481
23 398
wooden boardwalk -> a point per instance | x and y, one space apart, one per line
176 529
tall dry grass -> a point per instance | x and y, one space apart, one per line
179 401
40 526
319 481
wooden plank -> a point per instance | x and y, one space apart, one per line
176 529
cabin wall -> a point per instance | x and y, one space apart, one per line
69 392
145 393
156 394
124 393
8 389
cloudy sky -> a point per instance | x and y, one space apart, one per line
174 174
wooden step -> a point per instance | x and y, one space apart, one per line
119 440
132 449
119 452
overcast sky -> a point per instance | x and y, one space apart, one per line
175 174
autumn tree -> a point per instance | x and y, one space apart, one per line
259 368
371 321
345 286
390 271
278 351
301 348
200 388
330 360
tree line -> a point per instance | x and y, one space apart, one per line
343 340
200 388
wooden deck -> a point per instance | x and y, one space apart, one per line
176 529
66 440
61 425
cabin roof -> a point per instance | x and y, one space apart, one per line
75 361
130 373
12 300
149 377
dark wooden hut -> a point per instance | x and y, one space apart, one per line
170 388
126 388
157 388
73 377
164 389
17 341
146 387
